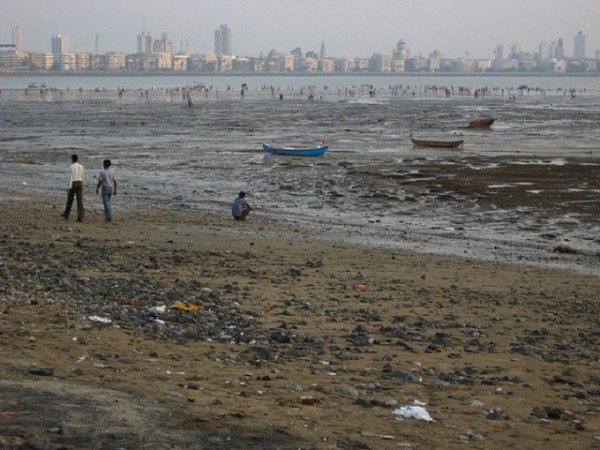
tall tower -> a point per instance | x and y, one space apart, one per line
543 51
579 42
499 52
560 49
60 44
16 38
401 51
144 41
322 53
223 41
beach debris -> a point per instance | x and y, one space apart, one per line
157 309
181 306
412 412
495 414
361 287
565 247
100 320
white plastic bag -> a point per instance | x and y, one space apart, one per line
414 412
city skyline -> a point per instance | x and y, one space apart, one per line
471 28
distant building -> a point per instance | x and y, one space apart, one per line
41 60
223 44
401 51
163 45
322 53
559 52
380 63
327 65
144 43
499 52
59 44
579 45
543 51
16 38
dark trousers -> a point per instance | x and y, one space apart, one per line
75 191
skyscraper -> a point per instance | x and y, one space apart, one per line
499 52
60 44
223 41
579 42
16 38
560 49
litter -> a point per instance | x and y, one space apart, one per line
414 412
99 319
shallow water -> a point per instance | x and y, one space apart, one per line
512 193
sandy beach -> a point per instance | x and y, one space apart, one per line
177 329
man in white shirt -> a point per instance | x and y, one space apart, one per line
75 189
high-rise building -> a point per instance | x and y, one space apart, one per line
401 51
499 52
16 38
579 42
144 43
560 49
60 44
543 51
322 53
223 41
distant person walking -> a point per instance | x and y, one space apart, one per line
108 182
241 208
75 189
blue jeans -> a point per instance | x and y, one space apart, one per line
106 194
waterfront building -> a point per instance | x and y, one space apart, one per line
398 66
380 63
65 62
345 65
289 63
180 62
83 61
327 65
41 60
8 57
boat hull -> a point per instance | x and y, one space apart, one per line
481 123
456 143
317 151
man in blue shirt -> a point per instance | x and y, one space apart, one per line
241 208
108 182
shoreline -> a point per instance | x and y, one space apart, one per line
314 75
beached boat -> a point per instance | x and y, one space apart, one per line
437 143
484 122
291 151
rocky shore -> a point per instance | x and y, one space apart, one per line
173 329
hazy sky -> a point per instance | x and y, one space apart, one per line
348 27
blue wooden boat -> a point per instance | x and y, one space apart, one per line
291 151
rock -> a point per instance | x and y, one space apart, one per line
404 376
347 391
41 371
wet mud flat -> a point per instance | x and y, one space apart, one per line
173 330
529 183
